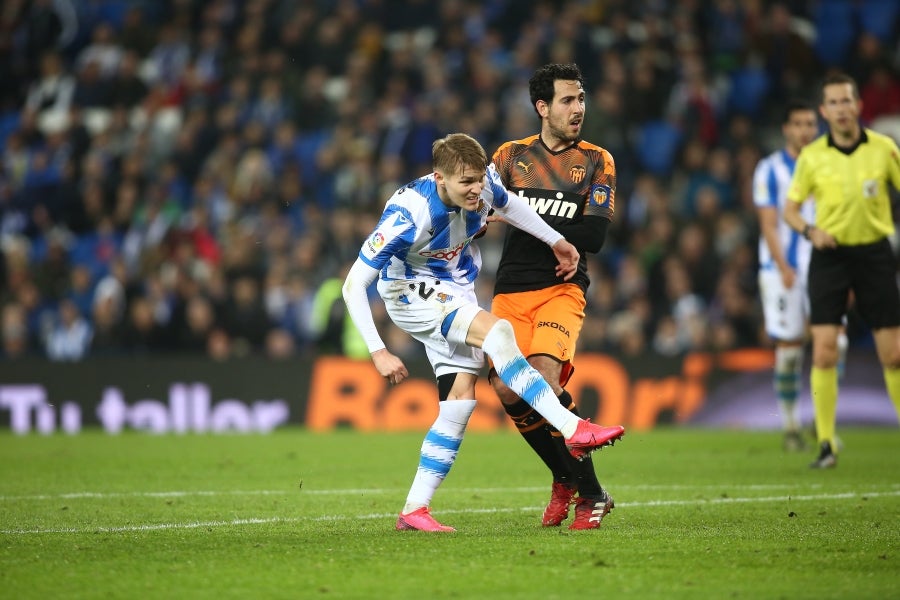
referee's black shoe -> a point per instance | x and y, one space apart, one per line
827 458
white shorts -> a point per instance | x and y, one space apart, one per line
786 311
420 308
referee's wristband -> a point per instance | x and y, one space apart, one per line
806 230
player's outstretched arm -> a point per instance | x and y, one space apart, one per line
359 278
356 298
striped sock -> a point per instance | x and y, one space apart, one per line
525 380
438 451
788 363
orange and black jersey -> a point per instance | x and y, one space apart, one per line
574 192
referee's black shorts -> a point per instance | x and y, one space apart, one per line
870 270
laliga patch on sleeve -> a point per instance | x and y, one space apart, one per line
373 245
600 195
761 195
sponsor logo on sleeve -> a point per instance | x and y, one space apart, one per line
375 242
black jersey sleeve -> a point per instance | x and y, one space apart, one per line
586 234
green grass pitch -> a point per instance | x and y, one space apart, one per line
700 514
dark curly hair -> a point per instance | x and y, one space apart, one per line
540 86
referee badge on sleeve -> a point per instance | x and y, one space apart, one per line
870 188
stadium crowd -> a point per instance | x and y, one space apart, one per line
185 176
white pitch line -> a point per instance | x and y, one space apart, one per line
374 516
343 492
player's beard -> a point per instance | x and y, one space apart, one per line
564 133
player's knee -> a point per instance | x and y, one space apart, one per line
504 332
825 352
825 360
891 358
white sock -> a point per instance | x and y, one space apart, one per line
788 365
438 451
524 380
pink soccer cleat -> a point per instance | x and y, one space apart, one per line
589 437
421 520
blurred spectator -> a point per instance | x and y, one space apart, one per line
279 345
42 26
92 90
143 334
695 102
51 273
192 336
218 345
108 312
869 55
880 93
330 322
18 341
244 315
726 34
128 88
783 46
138 32
104 52
169 57
68 338
53 89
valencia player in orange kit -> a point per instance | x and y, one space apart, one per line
571 184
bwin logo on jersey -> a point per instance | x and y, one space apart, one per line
557 207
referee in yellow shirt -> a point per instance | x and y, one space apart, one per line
847 173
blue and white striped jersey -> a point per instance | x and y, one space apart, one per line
771 181
420 236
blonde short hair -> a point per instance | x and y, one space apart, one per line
456 151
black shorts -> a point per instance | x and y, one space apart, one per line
870 270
